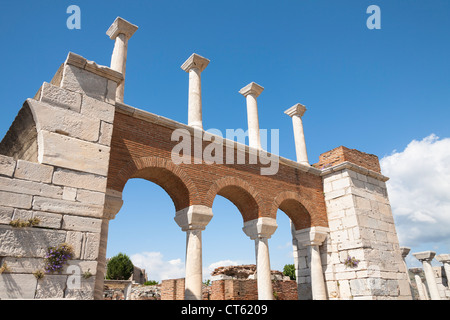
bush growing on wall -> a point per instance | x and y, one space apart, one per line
119 267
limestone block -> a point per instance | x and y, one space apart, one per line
82 81
96 109
60 97
91 197
6 214
17 286
24 265
48 220
30 187
106 130
67 122
84 266
91 246
15 200
81 224
69 193
51 286
33 171
67 207
85 292
80 180
67 152
7 165
28 242
75 239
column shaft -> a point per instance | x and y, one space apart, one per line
420 287
299 136
263 273
195 99
253 122
193 280
317 279
119 62
431 280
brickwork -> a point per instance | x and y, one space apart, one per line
342 154
136 154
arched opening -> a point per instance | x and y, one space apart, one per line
144 229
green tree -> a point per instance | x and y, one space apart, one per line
289 270
119 267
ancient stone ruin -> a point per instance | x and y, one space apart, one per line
74 145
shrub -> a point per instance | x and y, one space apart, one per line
151 283
289 270
119 267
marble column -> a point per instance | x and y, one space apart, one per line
423 295
261 230
120 31
312 238
426 257
445 260
251 92
193 221
296 112
195 65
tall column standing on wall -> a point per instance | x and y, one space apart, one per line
312 238
426 257
445 260
195 65
251 92
193 220
296 112
261 230
120 31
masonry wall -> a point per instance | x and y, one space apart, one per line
62 183
361 226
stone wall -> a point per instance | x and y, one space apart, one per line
362 227
342 154
63 185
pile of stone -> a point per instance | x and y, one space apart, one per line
141 292
242 272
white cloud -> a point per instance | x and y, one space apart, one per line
157 268
419 191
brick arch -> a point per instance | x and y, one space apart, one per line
164 173
291 203
240 193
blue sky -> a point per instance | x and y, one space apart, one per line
373 90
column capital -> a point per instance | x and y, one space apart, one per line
424 255
121 26
262 227
251 88
443 258
312 236
296 110
194 217
195 61
404 251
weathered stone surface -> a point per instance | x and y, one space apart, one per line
24 265
91 197
28 242
106 130
84 292
7 165
67 152
33 171
60 97
67 207
6 214
81 224
97 109
75 239
67 122
79 80
17 286
15 200
90 250
30 187
80 180
51 286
